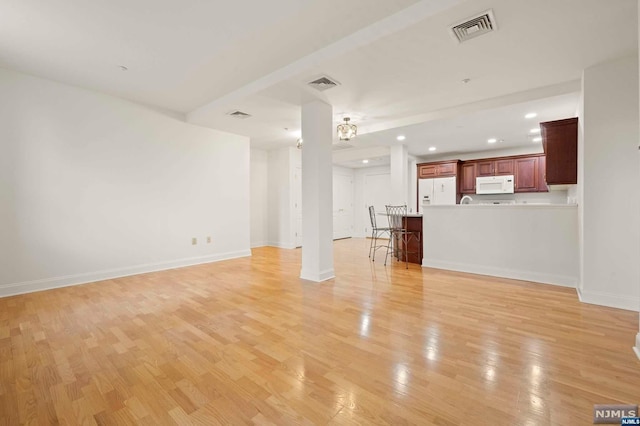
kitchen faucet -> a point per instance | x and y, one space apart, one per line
466 200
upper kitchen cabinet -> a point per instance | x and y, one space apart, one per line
468 177
504 167
439 169
560 144
526 174
542 167
497 167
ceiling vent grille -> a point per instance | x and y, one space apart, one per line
323 83
473 27
239 114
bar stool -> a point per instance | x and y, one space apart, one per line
400 236
376 233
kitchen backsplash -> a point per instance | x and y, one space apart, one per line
551 197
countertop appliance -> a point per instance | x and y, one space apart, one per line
495 184
436 191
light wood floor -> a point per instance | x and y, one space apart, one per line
245 341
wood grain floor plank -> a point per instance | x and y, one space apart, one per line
247 342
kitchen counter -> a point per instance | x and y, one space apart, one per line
502 206
412 222
533 242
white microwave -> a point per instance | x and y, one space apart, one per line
494 184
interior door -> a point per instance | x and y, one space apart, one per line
377 193
342 206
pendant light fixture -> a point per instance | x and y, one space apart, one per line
347 131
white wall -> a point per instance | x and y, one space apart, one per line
399 166
280 198
610 204
93 187
259 200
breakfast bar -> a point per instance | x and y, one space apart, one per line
533 242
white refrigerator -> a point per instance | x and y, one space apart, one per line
437 191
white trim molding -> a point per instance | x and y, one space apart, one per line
620 301
559 280
13 289
322 276
287 246
637 347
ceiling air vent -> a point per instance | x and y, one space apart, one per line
239 114
323 83
475 26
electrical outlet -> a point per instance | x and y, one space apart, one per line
194 241
208 240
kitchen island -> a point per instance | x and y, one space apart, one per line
533 242
411 222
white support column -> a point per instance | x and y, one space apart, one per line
413 184
317 192
399 175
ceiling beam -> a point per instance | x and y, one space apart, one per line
387 26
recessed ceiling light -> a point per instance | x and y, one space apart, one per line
433 148
365 161
536 130
492 140
401 137
537 139
531 115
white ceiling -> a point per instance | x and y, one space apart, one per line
397 63
471 132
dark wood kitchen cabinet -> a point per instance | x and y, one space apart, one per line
484 168
468 177
560 144
414 248
542 167
439 169
504 167
496 167
526 174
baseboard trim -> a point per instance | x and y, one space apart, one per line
259 244
610 300
559 280
319 277
24 287
288 246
